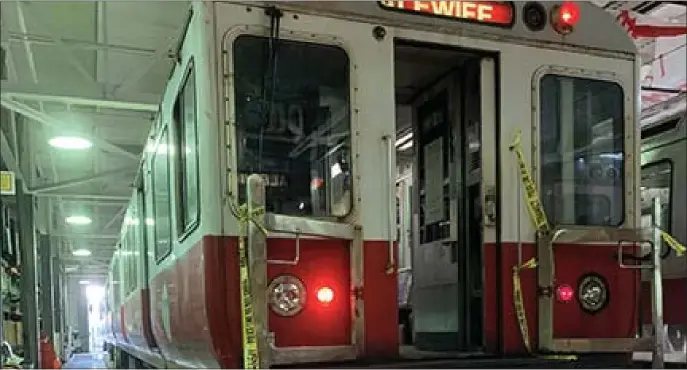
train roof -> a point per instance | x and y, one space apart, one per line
597 29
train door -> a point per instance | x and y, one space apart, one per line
450 115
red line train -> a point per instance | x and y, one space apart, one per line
311 95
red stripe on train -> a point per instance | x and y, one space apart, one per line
204 301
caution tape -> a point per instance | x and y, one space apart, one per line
673 243
246 216
541 223
534 206
518 302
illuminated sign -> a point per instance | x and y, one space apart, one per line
7 184
498 13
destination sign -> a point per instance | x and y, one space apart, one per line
498 13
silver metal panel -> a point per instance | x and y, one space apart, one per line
307 226
608 345
301 355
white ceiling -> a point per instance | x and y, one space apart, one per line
99 69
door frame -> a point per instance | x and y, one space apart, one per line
494 229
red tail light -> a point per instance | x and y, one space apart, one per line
325 295
565 17
565 293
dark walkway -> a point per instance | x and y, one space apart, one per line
94 360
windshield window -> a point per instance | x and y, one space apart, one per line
303 152
581 151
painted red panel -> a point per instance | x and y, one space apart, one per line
203 296
222 293
322 263
188 339
380 293
618 319
133 319
674 301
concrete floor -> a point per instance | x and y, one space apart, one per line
93 360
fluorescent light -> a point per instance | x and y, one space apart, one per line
81 252
70 269
70 142
84 282
78 220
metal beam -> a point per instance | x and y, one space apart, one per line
138 73
74 100
39 116
29 299
119 214
8 157
87 91
80 180
77 44
47 275
54 30
86 197
27 47
86 236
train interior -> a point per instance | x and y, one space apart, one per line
438 153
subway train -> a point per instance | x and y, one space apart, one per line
271 166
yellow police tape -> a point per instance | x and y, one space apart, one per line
518 301
246 216
673 243
534 206
541 223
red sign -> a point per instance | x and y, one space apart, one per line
490 12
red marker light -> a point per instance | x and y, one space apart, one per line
565 293
325 295
565 17
569 13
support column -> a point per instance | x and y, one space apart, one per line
29 299
58 312
47 307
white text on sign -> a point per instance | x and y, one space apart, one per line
481 11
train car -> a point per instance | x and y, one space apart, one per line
664 203
307 95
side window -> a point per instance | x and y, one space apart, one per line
186 139
161 198
294 127
116 280
581 151
657 184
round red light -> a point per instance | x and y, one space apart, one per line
569 13
325 295
565 293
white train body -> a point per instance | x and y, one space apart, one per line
329 159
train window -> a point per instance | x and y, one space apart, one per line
186 137
161 199
581 150
657 184
304 150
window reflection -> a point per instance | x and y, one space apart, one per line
656 185
304 151
581 151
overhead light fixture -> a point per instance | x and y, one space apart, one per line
84 282
70 142
78 220
70 269
81 252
